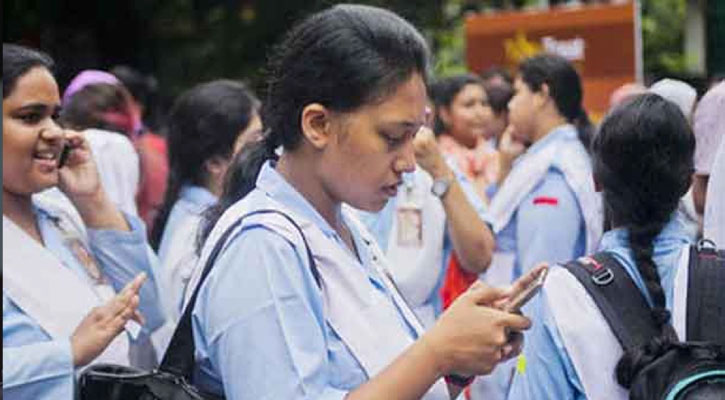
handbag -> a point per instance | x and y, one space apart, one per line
171 380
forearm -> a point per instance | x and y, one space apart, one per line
409 377
472 239
98 212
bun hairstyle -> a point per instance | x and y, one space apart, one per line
343 58
643 159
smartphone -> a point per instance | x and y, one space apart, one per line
519 299
64 155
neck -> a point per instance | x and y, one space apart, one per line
547 124
464 140
19 208
298 169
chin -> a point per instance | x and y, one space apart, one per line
372 206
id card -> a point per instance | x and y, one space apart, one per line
410 226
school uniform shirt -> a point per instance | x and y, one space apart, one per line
118 167
548 224
260 320
38 366
546 370
420 281
177 249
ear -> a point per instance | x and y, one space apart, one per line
597 185
315 122
444 113
542 97
216 166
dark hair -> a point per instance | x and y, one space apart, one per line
100 106
642 157
444 91
204 122
499 95
564 88
343 57
497 72
142 87
17 60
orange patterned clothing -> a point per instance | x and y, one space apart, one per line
479 164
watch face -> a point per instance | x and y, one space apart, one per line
439 187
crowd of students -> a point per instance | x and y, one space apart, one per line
365 224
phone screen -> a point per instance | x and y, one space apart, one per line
522 297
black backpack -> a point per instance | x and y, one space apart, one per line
689 370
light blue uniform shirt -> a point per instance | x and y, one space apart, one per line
380 224
540 230
550 373
177 249
259 328
36 366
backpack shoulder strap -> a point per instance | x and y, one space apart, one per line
706 293
620 301
179 356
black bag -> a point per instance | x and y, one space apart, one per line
689 370
171 380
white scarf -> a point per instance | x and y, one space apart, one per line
53 295
365 320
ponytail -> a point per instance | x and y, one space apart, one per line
584 127
240 179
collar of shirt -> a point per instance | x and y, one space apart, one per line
559 134
199 197
667 246
275 186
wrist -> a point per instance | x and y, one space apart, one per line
435 354
441 171
86 203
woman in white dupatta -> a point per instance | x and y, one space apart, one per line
346 98
72 276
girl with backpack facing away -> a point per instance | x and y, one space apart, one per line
298 304
643 164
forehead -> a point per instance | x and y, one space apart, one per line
470 90
406 103
35 86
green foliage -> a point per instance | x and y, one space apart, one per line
663 25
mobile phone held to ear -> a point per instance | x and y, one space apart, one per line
519 299
64 155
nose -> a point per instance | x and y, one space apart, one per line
52 132
405 162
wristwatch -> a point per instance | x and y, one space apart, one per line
440 187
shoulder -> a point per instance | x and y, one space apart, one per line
551 195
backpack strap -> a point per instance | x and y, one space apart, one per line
620 301
706 293
179 356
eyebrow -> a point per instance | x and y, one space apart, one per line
39 107
402 124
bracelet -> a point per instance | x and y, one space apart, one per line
458 380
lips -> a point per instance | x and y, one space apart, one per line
47 159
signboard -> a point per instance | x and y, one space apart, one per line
602 41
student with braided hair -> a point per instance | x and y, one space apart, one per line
642 163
